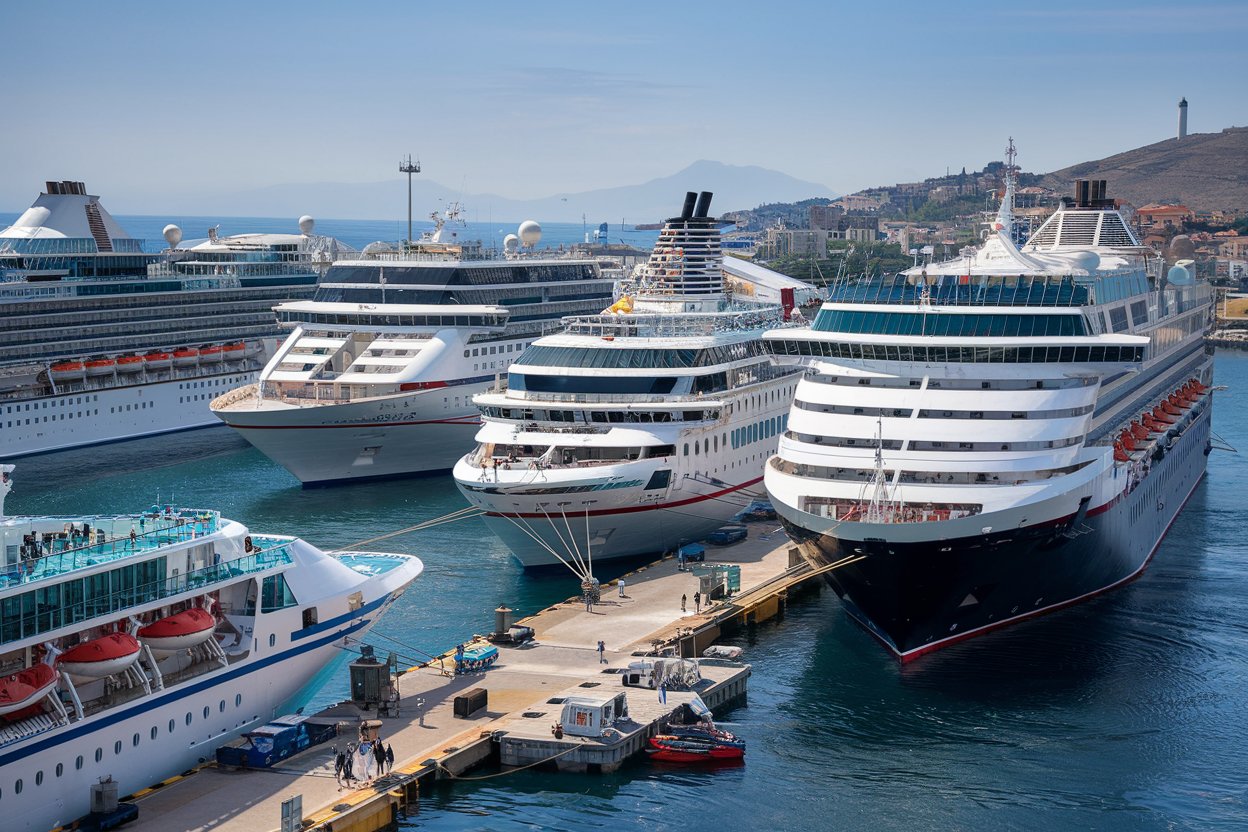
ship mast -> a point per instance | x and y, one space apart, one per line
880 509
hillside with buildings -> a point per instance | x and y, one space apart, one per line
1204 171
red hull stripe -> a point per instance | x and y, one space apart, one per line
633 509
920 651
462 420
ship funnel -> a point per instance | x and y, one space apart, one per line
704 203
687 211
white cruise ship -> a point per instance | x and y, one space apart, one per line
132 646
377 376
638 429
103 341
999 435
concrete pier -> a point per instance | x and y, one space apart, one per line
525 689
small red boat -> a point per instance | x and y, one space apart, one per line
696 744
26 688
179 631
100 657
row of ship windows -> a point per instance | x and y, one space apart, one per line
135 741
1153 489
759 431
599 416
906 412
640 359
55 417
498 350
948 324
958 355
954 383
917 445
921 477
71 401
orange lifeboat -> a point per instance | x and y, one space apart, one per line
1119 454
100 366
234 352
211 354
67 370
26 688
158 360
186 357
179 631
129 363
1162 416
1127 440
1170 409
100 657
1138 430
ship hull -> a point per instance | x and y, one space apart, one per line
917 597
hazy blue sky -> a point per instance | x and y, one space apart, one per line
528 99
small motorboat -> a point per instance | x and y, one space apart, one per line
696 744
101 656
476 657
129 363
26 688
158 360
179 631
722 651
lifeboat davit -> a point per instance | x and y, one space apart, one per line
129 363
21 690
100 657
67 370
177 632
100 366
186 357
158 360
211 354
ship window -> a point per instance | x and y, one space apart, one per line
135 740
309 617
117 747
221 706
154 732
272 639
275 594
189 718
60 769
238 700
207 711
17 787
38 778
171 725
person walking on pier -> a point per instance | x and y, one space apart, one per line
379 754
684 602
340 765
348 767
602 650
697 602
389 758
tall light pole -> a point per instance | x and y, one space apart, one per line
409 167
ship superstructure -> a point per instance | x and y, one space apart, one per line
637 429
105 341
133 645
1000 434
378 373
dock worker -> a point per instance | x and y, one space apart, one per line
684 602
697 601
379 754
602 652
389 758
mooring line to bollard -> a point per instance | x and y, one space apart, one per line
453 776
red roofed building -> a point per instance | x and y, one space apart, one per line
1159 217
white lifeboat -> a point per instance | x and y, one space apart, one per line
179 631
186 357
158 360
100 657
211 354
234 352
100 366
129 363
26 688
67 370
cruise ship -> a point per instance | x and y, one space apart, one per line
982 440
103 341
133 645
377 376
640 428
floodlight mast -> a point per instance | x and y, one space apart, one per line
409 167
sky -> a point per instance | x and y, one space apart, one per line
152 104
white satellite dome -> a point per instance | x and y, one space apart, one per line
530 232
173 235
306 224
510 243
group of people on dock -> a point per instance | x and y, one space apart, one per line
371 759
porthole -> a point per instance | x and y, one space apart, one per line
171 724
207 711
135 739
238 700
221 706
99 754
78 763
117 747
17 787
188 717
272 639
38 778
60 769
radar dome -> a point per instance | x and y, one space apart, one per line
530 232
306 224
173 235
510 243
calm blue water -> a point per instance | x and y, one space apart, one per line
1127 713
359 233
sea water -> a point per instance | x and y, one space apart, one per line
1129 712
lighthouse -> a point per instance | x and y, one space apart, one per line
1183 118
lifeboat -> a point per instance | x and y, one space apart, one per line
1127 440
100 366
177 632
27 688
129 363
1138 430
100 657
186 357
1162 416
67 370
1169 409
158 360
696 744
234 352
211 354
252 348
1120 454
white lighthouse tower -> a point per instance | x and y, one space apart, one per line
1182 118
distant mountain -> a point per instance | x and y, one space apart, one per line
735 187
1204 171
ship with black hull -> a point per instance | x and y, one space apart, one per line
983 440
